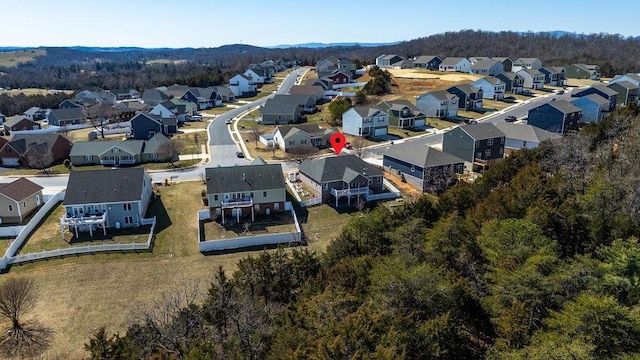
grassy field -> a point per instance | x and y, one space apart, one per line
31 91
15 58
77 295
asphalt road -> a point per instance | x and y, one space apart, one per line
519 110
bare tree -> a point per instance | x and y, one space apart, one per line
438 179
65 132
301 153
358 146
38 157
274 147
22 338
98 114
171 149
254 134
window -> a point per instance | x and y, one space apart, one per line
487 153
116 150
477 143
501 151
326 186
215 197
126 206
264 194
276 206
413 168
24 204
490 142
128 219
37 200
88 157
379 180
291 142
501 140
10 207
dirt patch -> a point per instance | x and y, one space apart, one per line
404 187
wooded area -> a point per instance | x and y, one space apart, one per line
537 259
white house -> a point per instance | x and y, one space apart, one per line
365 121
242 85
492 87
520 136
256 74
458 64
438 104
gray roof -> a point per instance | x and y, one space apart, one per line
501 58
440 95
421 155
423 59
311 129
366 111
509 75
552 69
564 106
491 80
526 60
399 105
84 148
297 99
601 88
452 60
465 88
333 168
484 64
152 145
278 108
154 95
13 120
527 133
68 114
104 186
594 98
625 84
22 142
32 110
532 72
245 178
482 131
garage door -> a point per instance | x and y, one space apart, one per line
380 131
10 162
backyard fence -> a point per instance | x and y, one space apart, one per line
311 202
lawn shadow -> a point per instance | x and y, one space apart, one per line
85 238
156 208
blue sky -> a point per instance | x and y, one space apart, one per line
212 23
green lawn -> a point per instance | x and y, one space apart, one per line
15 58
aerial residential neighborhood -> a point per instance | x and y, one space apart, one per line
222 187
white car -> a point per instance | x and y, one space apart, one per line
228 121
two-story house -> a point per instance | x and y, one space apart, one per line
553 75
602 90
533 78
422 166
526 63
521 136
514 83
403 114
469 95
583 71
593 106
242 86
145 125
507 63
438 104
556 116
431 62
365 121
119 200
475 142
487 67
387 61
628 92
492 87
238 192
345 177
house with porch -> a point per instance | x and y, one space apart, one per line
533 78
119 200
514 83
507 63
430 62
117 153
273 112
475 143
602 90
387 61
403 114
492 87
292 136
306 103
627 92
236 193
337 78
345 177
205 98
438 104
554 75
242 86
68 116
365 121
470 97
630 77
425 168
18 199
557 116
593 106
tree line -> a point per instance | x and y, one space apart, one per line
536 259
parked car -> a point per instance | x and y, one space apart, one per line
196 117
527 92
228 121
510 118
240 154
560 92
348 145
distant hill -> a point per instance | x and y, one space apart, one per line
316 45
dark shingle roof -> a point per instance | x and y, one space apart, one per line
625 84
484 64
440 95
22 142
366 111
451 61
333 168
246 178
482 131
527 133
465 88
564 106
104 186
422 155
68 114
19 189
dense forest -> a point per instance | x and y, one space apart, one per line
86 68
537 259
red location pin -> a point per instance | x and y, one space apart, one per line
338 141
